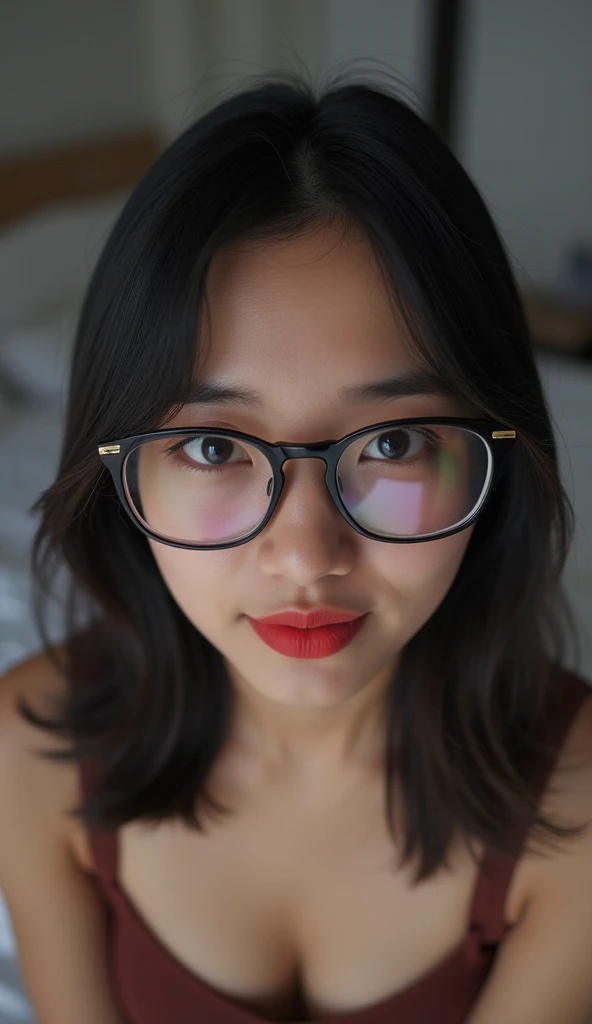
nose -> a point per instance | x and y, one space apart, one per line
307 537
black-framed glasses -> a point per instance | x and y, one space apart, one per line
398 481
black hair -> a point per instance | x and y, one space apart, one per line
469 704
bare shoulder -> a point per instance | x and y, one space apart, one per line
27 778
542 970
57 912
38 681
567 801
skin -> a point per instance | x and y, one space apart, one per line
298 320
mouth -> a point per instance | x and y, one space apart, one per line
314 642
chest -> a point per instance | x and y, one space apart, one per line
293 907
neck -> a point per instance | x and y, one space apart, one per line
315 742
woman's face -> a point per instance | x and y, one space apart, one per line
298 321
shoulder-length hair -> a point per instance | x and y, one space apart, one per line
469 704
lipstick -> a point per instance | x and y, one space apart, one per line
316 642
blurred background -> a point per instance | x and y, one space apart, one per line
91 91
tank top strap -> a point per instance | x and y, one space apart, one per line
497 869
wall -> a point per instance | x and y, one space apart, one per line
375 34
74 68
69 69
525 126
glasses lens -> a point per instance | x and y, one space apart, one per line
401 482
199 488
414 481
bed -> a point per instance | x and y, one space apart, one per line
56 209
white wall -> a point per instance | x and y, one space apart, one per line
199 50
375 34
72 69
526 126
69 69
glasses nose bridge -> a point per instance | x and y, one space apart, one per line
321 450
316 450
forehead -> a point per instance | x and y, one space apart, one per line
299 324
315 301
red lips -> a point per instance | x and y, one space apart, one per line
319 642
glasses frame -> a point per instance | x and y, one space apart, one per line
498 439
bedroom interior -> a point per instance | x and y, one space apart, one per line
57 205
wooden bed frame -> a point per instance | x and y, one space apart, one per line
87 169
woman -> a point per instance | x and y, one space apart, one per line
305 821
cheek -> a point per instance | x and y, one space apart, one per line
420 575
442 558
193 578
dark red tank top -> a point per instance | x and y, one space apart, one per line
154 988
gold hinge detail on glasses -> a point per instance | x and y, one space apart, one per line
109 449
503 433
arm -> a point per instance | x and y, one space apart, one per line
58 916
543 970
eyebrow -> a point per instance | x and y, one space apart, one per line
413 382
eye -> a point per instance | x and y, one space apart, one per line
208 450
400 443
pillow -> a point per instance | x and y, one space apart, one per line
35 355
